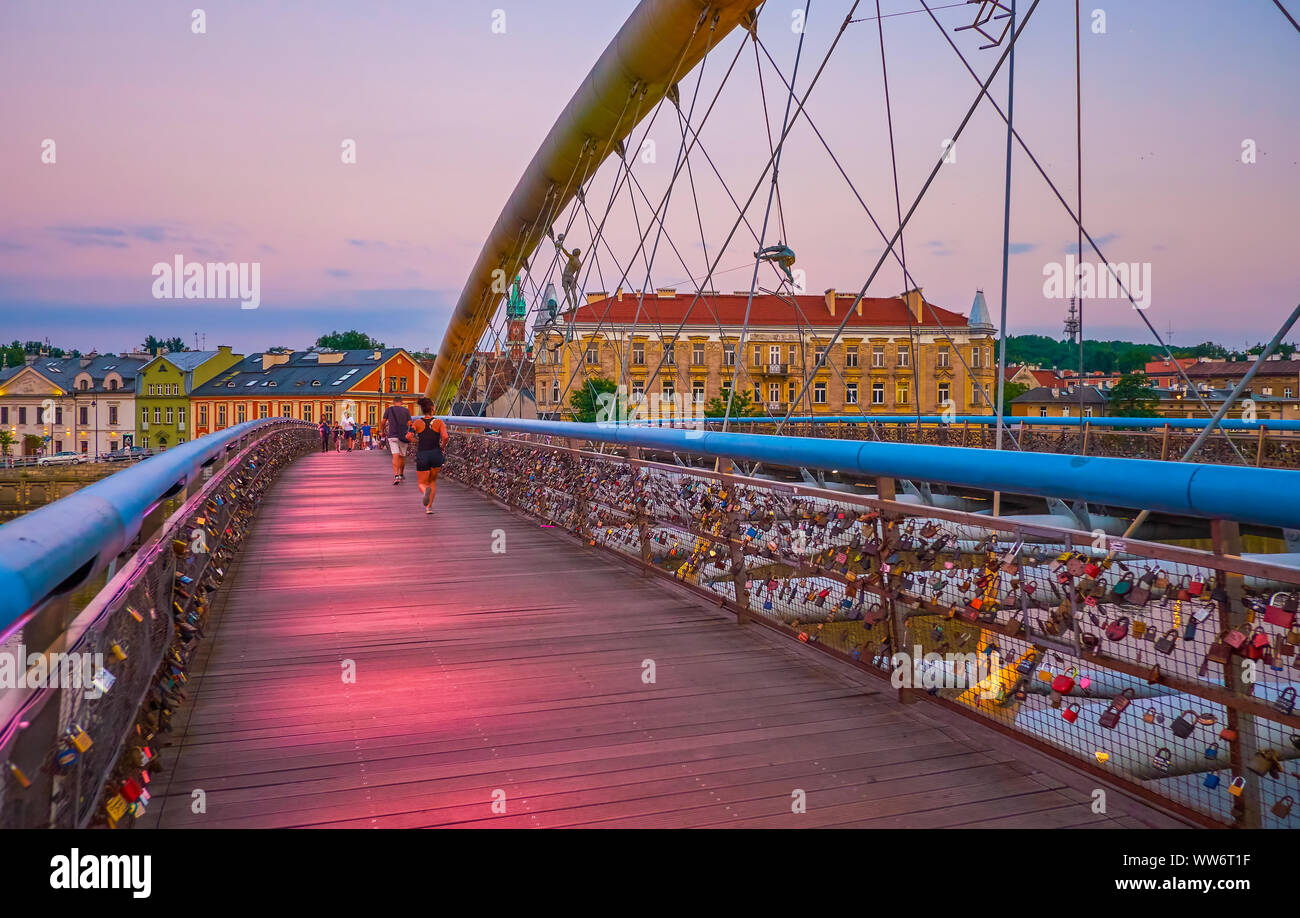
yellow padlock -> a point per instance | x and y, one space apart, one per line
1139 628
1237 787
116 807
118 653
81 739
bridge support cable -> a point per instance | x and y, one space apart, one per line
1015 36
910 280
1074 217
1006 250
771 194
898 209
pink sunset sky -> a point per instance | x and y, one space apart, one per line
225 146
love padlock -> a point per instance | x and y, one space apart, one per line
1237 787
1070 714
1212 751
1283 807
1163 759
1065 681
1182 728
1211 780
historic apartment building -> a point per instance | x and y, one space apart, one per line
308 385
163 396
78 404
876 366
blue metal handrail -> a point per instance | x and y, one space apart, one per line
1262 496
1012 421
56 547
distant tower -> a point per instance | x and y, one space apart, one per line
516 309
1072 320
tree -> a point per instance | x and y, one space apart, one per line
154 345
1010 392
351 340
32 443
586 401
7 441
1133 397
742 406
14 355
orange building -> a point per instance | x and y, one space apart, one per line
314 386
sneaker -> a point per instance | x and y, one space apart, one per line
428 511
397 479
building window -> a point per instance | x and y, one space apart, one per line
58 446
326 412
1042 411
878 393
792 391
402 381
555 390
670 354
169 414
372 415
1267 390
974 358
180 440
144 441
286 410
1087 412
793 355
58 418
241 413
697 354
904 355
157 415
774 392
878 355
818 353
944 393
729 355
638 390
180 417
819 393
903 392
263 410
851 356
306 411
697 390
4 415
851 393
112 415
638 353
943 355
758 356
1286 393
669 389
221 416
85 416
1065 412
203 415
593 355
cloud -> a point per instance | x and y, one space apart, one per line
1020 248
338 272
1073 247
87 236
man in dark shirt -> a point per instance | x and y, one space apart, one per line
397 420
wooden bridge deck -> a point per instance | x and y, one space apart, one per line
520 674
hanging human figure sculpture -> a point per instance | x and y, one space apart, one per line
569 277
780 255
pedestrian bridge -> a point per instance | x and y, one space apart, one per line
651 627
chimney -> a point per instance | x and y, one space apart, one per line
830 301
378 354
1056 393
915 302
273 360
619 295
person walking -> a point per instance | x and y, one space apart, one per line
396 423
349 431
429 434
324 437
365 436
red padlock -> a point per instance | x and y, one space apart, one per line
1070 714
130 790
1092 569
1064 682
1118 629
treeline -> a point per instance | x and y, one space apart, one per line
1112 356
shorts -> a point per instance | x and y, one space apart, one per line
396 446
429 459
350 434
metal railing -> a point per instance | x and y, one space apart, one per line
1169 671
1265 443
79 734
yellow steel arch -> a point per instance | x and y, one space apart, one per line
661 41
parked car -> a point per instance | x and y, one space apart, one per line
67 457
126 454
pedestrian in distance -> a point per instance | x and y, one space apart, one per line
396 423
324 437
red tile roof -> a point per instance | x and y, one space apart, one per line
767 310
